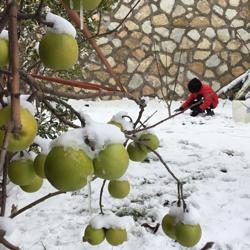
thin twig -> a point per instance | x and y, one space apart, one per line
100 198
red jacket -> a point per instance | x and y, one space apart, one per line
210 98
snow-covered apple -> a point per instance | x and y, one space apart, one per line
115 123
111 162
67 169
58 51
118 188
116 236
4 52
39 165
21 172
135 152
150 140
94 236
34 186
87 5
27 132
168 226
187 235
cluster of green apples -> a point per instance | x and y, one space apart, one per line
138 151
23 172
119 189
68 167
114 236
175 227
27 133
87 5
4 49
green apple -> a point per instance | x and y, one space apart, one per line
168 226
4 52
135 152
34 186
39 165
27 132
116 236
94 236
67 168
88 5
118 188
117 124
150 140
21 172
188 235
58 51
112 162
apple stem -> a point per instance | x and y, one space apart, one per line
100 199
89 178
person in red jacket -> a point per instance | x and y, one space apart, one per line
203 96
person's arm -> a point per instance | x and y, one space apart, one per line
188 100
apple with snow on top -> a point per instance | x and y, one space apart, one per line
4 51
111 162
87 5
34 186
93 236
115 123
39 165
150 140
119 188
27 133
58 51
135 152
168 225
21 172
116 236
67 168
187 235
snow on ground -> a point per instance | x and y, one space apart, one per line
210 154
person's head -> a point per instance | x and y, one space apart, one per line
194 85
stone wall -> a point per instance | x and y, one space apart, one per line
164 42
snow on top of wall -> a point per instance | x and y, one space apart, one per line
236 81
61 25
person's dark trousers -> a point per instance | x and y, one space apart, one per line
196 110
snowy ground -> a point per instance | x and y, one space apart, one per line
212 156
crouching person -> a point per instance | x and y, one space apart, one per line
202 98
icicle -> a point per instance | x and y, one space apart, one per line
81 14
71 4
89 194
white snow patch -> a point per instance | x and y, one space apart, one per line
112 221
43 143
7 225
4 34
61 25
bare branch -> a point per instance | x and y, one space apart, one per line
35 203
